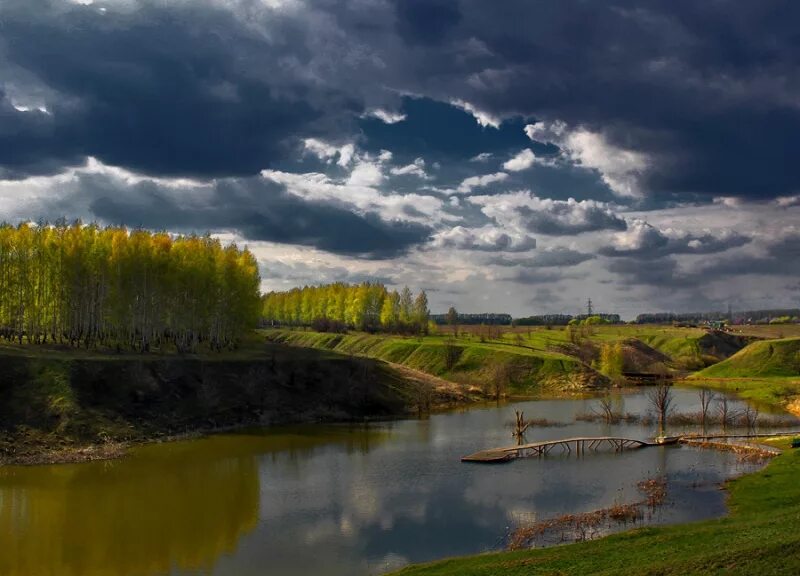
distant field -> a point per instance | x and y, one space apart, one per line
768 331
541 336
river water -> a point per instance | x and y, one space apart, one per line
336 500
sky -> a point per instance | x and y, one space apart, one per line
516 157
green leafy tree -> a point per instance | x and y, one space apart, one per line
406 307
421 313
452 320
390 311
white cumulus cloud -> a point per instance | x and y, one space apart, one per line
522 161
619 168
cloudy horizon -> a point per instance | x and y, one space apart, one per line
516 160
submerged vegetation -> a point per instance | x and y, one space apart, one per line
590 525
91 286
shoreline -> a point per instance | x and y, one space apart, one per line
754 500
44 450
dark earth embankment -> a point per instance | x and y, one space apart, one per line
64 407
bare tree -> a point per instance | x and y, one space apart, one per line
520 427
706 398
750 415
499 377
725 413
660 399
605 409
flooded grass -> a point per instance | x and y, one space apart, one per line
589 525
732 420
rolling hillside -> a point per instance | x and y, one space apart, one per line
761 359
490 366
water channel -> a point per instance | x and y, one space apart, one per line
336 500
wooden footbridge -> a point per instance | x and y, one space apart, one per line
579 445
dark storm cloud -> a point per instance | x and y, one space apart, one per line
169 90
546 300
552 258
299 273
483 239
537 276
557 219
649 242
661 272
426 21
780 257
26 142
706 92
257 209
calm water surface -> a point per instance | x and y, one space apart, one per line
334 500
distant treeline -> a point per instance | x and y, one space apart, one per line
475 319
739 316
563 319
336 307
86 285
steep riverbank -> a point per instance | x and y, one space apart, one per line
63 406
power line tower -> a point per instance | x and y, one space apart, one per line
589 308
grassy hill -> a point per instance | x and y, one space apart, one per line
767 358
486 365
528 359
766 371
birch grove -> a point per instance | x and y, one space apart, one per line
127 289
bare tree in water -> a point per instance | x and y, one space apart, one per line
706 398
605 409
750 415
660 399
724 412
520 427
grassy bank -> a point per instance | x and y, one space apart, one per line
488 365
72 405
